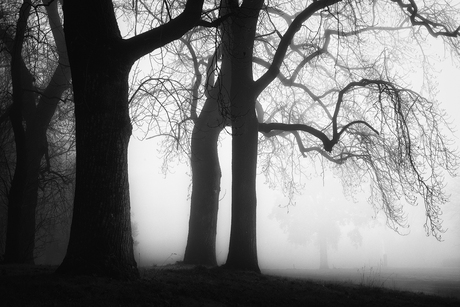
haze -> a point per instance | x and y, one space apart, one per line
161 205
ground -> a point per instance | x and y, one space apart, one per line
193 286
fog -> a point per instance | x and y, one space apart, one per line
287 238
160 205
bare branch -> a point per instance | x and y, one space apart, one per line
294 27
432 27
146 42
267 127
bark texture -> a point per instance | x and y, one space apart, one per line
100 241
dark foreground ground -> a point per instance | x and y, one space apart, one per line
442 281
194 286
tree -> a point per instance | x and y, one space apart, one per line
56 189
206 176
6 154
204 160
36 111
354 114
389 114
382 100
174 109
319 219
356 111
101 242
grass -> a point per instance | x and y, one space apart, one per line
371 277
193 286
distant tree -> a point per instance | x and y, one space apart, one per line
101 241
36 93
320 220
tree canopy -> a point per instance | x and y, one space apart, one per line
333 81
329 80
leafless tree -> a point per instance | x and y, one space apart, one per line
322 77
101 59
33 44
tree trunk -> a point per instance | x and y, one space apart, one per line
100 241
15 249
243 244
322 241
20 234
22 202
206 174
31 144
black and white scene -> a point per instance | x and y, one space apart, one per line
230 153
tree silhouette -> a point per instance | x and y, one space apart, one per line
189 117
343 99
101 242
37 89
319 220
318 80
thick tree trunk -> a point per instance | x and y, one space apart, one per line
206 174
100 241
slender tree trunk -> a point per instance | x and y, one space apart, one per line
322 241
206 174
15 249
243 246
20 237
22 201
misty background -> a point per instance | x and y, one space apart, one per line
287 236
